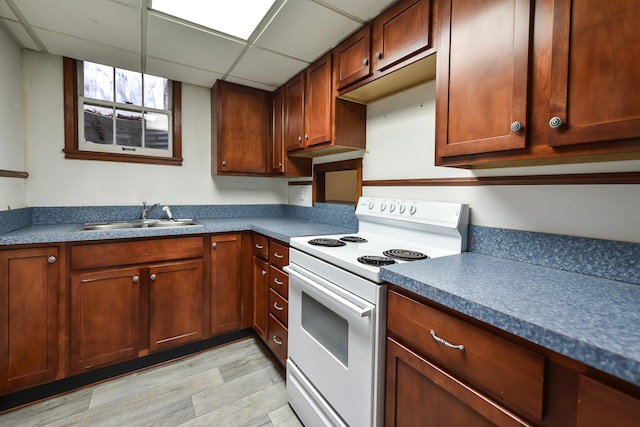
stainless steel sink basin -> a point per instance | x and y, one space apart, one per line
147 223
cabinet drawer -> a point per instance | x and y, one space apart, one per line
278 339
278 254
279 281
140 252
260 246
507 372
278 307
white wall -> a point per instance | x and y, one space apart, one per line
56 181
400 145
12 190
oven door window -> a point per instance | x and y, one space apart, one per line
329 329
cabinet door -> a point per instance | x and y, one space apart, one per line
28 317
225 283
600 405
353 58
419 393
318 102
260 296
400 32
294 113
105 320
278 152
175 304
595 71
482 77
242 123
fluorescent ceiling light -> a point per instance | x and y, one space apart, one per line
235 17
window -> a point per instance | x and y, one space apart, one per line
120 115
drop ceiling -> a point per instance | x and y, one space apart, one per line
126 34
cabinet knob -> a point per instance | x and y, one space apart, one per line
306 136
153 277
136 279
279 164
365 61
299 139
224 163
555 122
214 245
516 126
264 272
378 56
51 259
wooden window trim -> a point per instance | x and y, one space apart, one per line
320 180
71 150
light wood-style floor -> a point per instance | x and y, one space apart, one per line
233 385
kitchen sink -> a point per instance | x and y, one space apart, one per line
147 223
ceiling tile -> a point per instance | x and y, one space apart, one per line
181 72
250 83
305 30
99 21
20 34
170 40
365 10
63 45
266 67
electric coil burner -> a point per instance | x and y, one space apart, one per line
376 260
328 243
404 254
337 305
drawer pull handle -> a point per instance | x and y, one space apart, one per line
445 342
259 246
277 255
276 340
277 282
277 307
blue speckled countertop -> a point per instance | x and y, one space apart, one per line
593 320
281 228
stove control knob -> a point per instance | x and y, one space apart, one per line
392 207
371 204
383 206
402 208
412 210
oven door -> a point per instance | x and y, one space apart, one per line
332 343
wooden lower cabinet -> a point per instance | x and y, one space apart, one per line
105 317
117 314
175 304
29 302
413 382
260 296
225 281
601 405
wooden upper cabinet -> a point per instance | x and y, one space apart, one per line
400 32
482 76
595 72
241 129
281 164
294 113
353 58
317 117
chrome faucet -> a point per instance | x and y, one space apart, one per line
145 211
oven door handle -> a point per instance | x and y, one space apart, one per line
354 308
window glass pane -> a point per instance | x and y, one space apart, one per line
98 124
98 81
156 132
329 329
128 87
128 128
156 92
